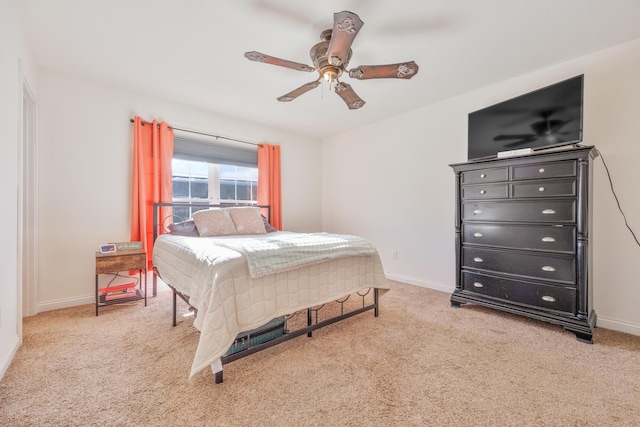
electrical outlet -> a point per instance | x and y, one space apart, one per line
394 254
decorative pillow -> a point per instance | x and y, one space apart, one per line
184 228
247 220
267 226
214 222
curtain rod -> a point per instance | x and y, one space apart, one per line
202 133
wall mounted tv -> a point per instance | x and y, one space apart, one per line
545 118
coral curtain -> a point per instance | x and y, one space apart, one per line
152 156
269 182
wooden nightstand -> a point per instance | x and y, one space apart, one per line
123 260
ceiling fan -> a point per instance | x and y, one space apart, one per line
330 59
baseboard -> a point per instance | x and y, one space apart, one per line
6 362
602 322
618 325
422 283
64 303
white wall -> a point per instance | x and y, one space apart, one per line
391 183
16 64
85 175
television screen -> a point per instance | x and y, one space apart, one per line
545 118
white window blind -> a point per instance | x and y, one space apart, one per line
212 152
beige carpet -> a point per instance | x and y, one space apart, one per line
421 362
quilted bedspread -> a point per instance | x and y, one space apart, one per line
229 301
278 252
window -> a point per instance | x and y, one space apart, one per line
238 184
212 173
190 180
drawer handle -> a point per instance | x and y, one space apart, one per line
478 235
482 175
478 259
548 268
548 212
478 285
477 211
548 298
548 239
482 191
541 170
541 189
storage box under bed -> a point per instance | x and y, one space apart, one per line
267 332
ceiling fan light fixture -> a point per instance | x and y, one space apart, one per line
331 74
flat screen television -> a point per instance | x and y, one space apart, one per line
545 118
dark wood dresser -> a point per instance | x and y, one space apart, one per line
522 236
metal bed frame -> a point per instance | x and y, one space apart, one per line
312 313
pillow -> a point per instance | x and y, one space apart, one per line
214 222
247 220
267 226
184 228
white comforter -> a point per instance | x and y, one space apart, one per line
277 252
229 301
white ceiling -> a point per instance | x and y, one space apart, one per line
192 51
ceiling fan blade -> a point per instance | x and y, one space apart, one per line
301 90
345 28
347 94
403 70
261 57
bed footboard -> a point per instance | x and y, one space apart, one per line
338 310
313 323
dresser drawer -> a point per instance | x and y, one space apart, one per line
531 264
534 237
485 175
523 292
554 211
547 188
490 191
544 170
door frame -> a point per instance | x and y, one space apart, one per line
27 250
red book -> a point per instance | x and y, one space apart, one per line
117 288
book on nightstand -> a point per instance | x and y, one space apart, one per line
110 293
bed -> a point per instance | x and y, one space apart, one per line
239 280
